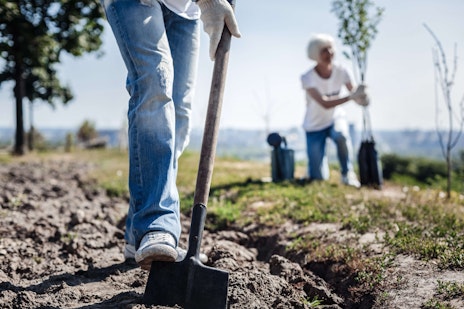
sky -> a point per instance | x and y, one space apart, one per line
265 65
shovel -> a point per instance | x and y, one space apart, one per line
189 283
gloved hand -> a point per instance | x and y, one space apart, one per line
214 14
360 96
358 93
363 100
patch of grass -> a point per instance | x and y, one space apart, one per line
5 158
340 253
415 240
369 272
437 304
373 271
423 224
222 215
230 177
446 291
111 169
318 249
307 242
370 215
360 224
450 289
431 232
271 203
407 180
313 303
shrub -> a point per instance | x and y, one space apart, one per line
421 169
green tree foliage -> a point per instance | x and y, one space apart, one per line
33 35
357 29
86 131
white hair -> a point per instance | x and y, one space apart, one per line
317 43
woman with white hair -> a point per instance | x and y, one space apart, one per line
324 116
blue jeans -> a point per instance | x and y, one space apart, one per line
160 51
318 167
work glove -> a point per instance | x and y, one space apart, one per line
214 14
363 100
360 96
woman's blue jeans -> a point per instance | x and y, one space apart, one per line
318 167
160 51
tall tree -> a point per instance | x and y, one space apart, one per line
357 29
33 35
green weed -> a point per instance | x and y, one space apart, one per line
446 291
449 289
437 304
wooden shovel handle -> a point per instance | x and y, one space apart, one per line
210 134
208 147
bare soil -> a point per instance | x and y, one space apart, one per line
61 242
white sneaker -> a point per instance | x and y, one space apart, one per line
156 246
129 254
351 179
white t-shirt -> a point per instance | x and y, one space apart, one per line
184 8
317 117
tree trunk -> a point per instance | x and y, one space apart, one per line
31 138
19 92
31 135
19 137
448 182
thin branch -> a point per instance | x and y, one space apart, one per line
440 49
437 112
455 63
441 77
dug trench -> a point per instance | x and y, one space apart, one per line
61 241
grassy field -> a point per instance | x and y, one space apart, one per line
409 219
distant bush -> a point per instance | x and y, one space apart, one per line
427 170
69 142
423 170
458 164
86 131
37 141
392 163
